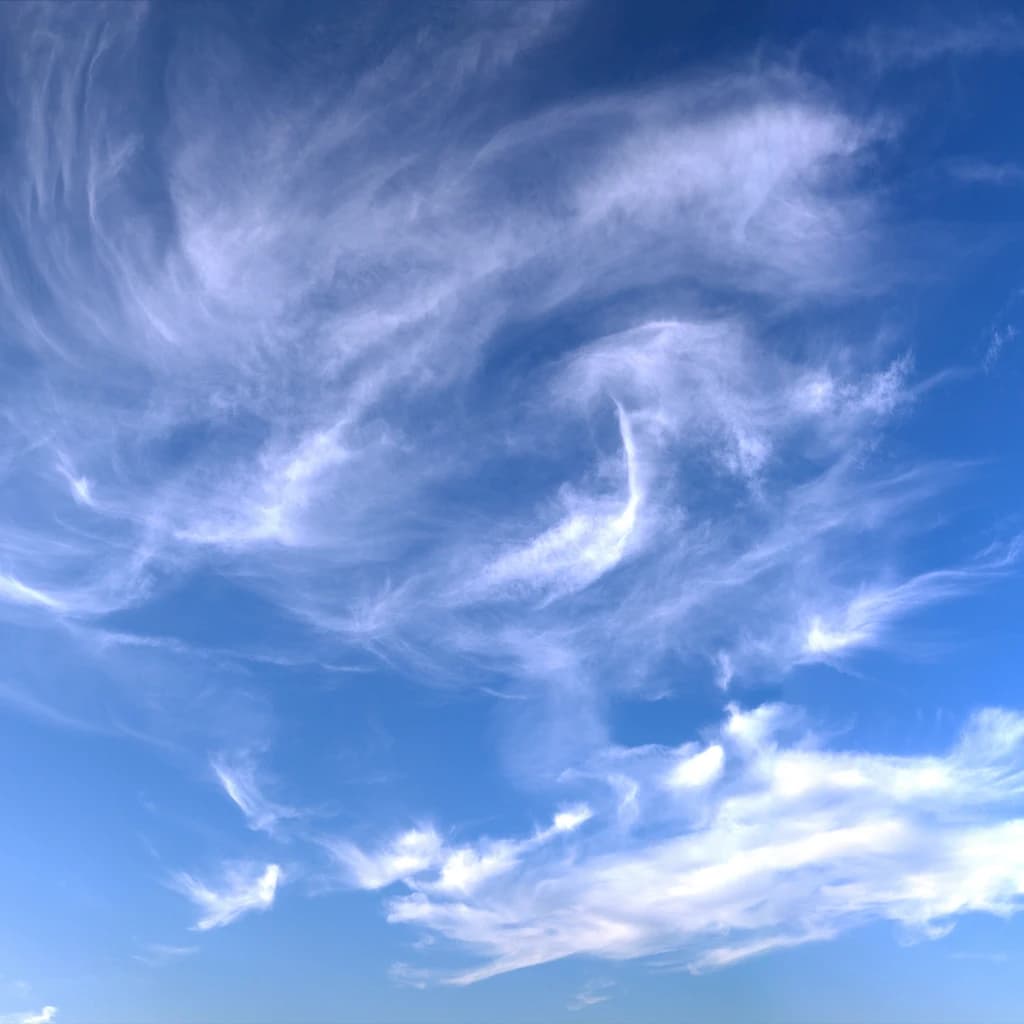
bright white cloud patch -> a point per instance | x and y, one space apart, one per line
339 310
44 1016
244 888
569 820
407 855
12 589
697 770
789 843
591 540
457 870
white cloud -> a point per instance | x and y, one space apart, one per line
158 954
589 541
386 288
238 776
340 312
44 1016
794 845
986 172
465 870
413 855
697 770
866 617
12 589
584 999
572 818
591 994
244 887
862 621
750 475
314 387
408 854
409 976
274 499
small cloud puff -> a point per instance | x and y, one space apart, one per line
244 888
44 1016
411 856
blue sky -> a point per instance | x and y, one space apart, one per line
511 513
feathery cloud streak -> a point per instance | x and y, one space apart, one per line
545 396
758 840
245 887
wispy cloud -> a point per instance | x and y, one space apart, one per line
17 698
986 172
546 398
788 843
279 487
244 887
12 589
998 342
263 490
44 1016
406 855
238 777
934 38
158 954
590 540
291 489
863 620
411 977
459 869
592 994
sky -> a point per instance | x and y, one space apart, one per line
511 512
